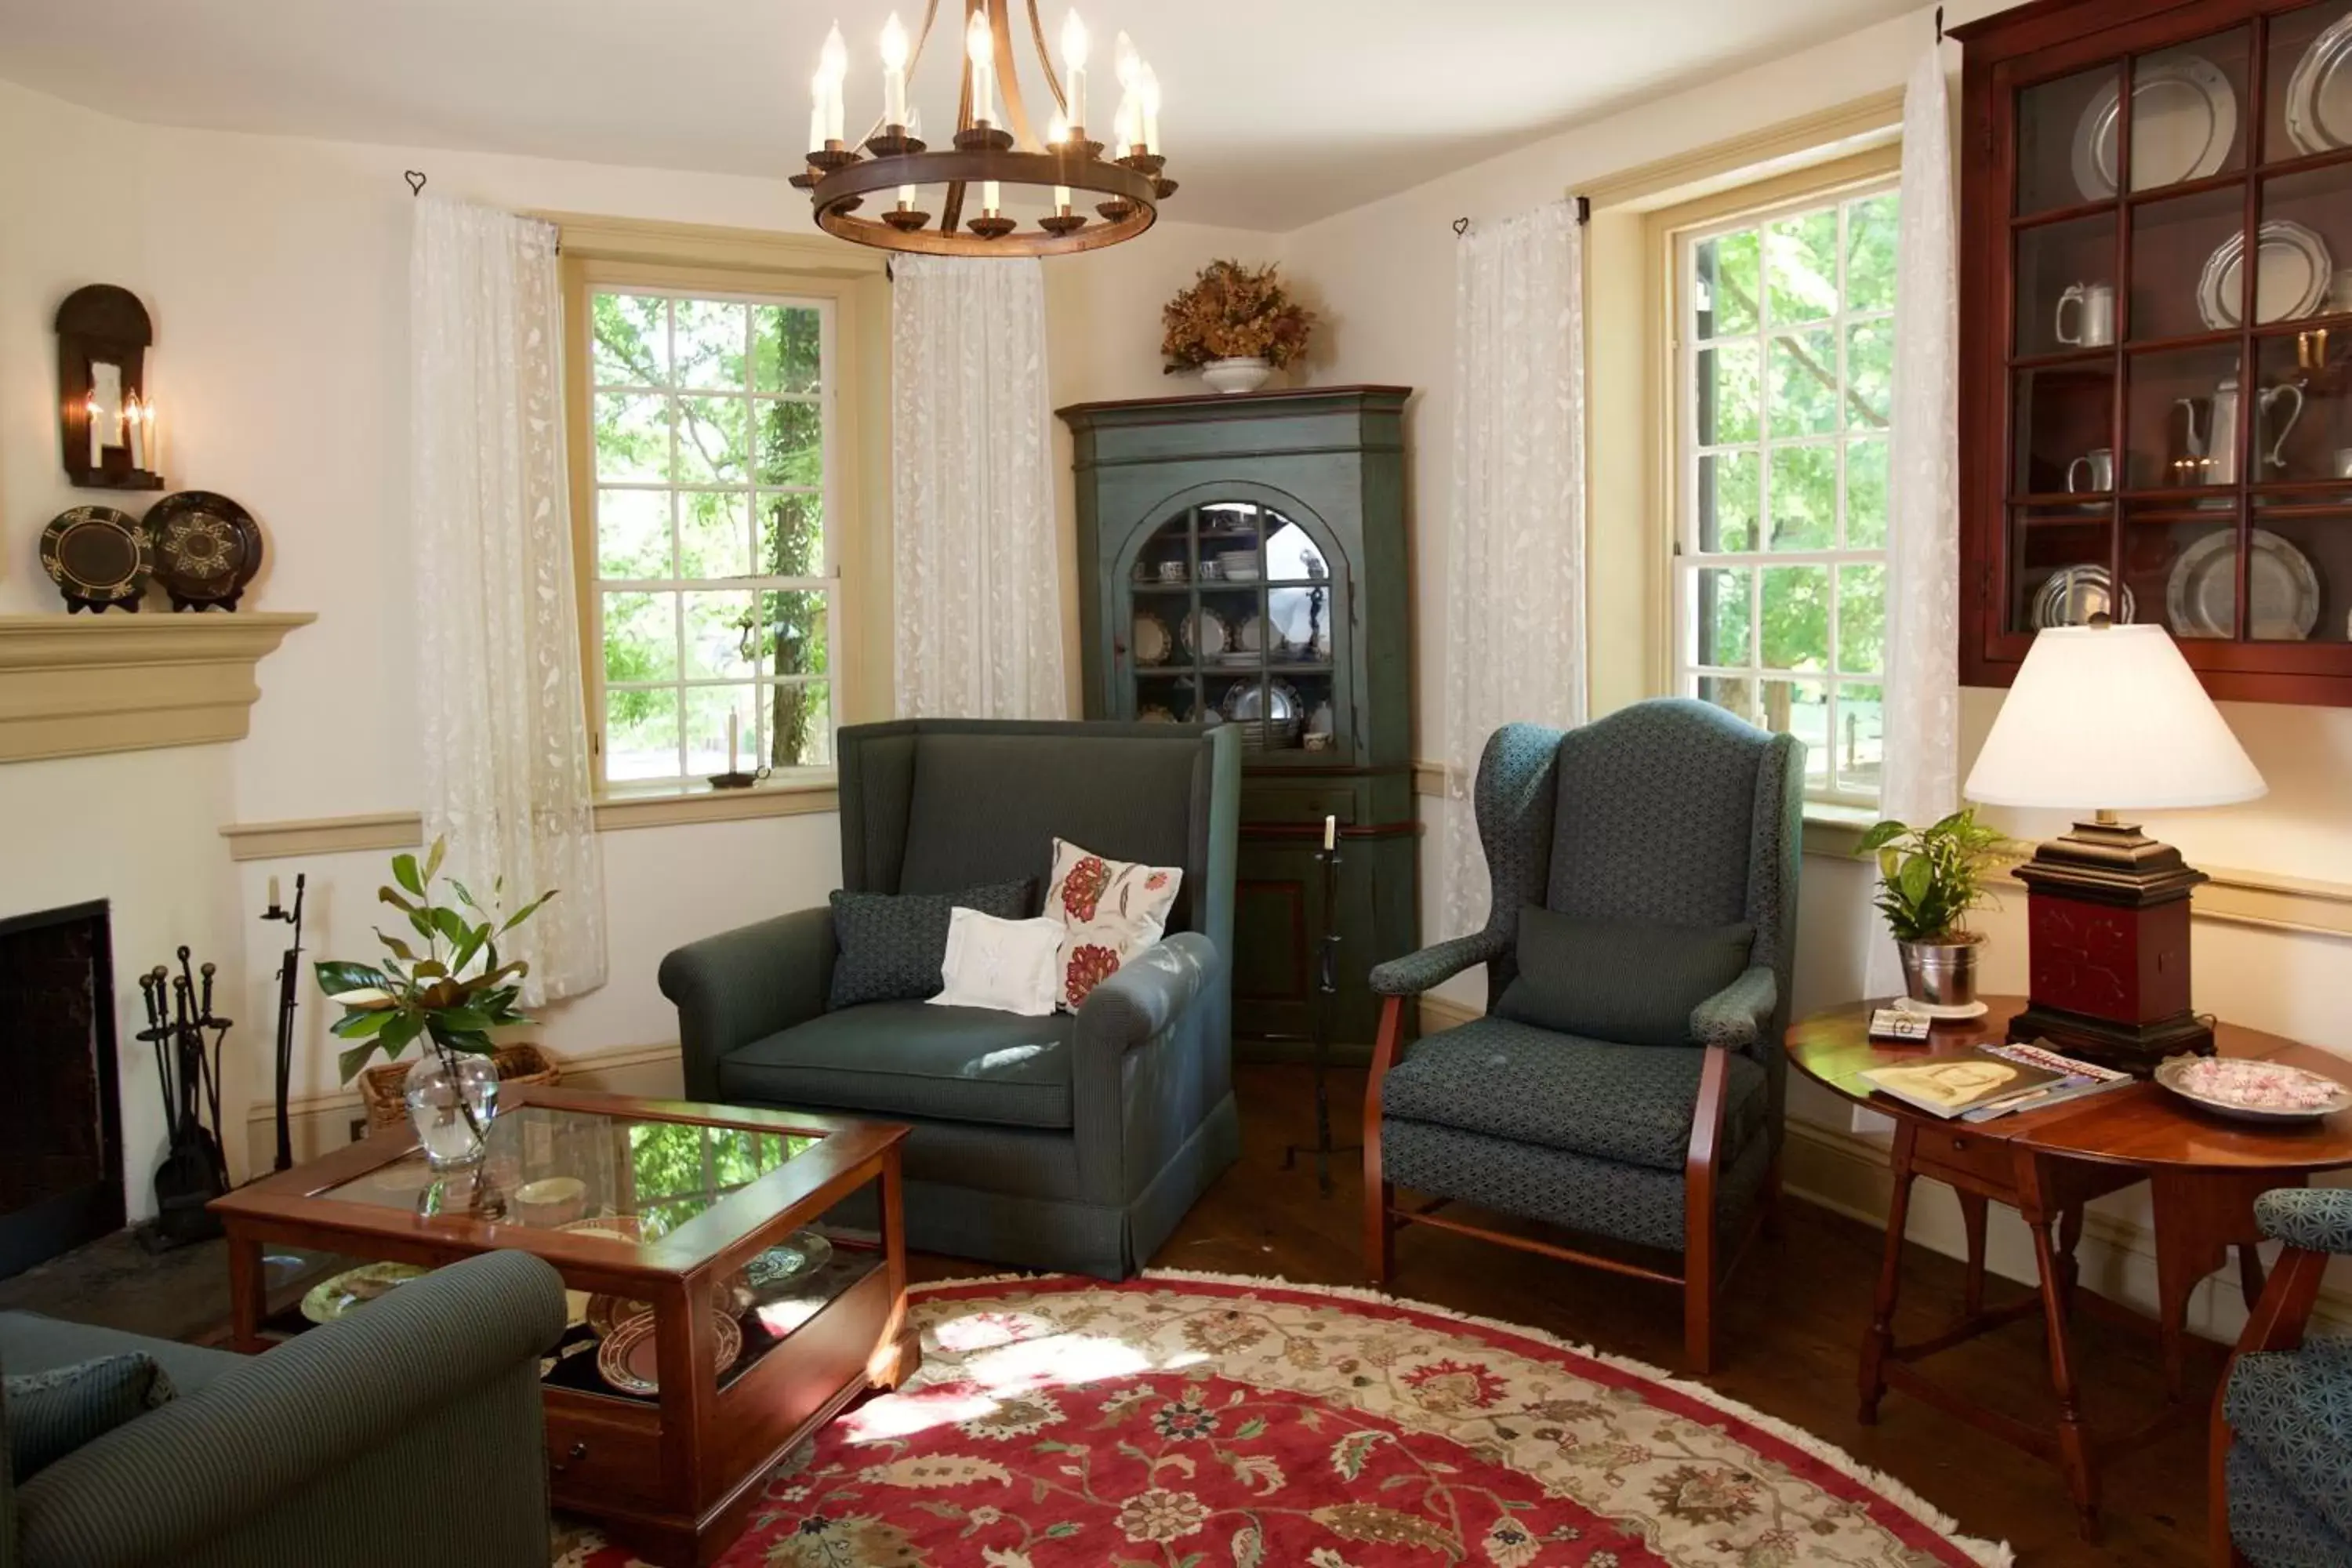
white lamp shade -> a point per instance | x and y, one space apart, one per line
2103 718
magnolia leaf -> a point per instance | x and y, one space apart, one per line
449 923
433 859
336 976
389 896
403 871
464 896
432 969
351 1061
525 912
404 1028
423 926
396 947
361 1026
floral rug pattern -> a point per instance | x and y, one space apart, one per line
1184 1422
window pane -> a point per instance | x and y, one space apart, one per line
710 338
1870 374
632 339
1804 379
800 724
1804 498
1800 708
640 637
1865 494
1729 394
793 623
792 444
1870 253
1800 266
1862 738
641 734
632 533
784 348
791 536
714 534
1862 619
1796 623
718 636
711 448
1726 502
633 437
1727 285
1722 615
707 707
1733 693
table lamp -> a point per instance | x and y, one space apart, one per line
2106 716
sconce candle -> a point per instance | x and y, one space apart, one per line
97 440
155 435
134 422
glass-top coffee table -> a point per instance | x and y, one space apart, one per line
734 1277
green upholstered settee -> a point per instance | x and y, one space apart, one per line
1071 1141
408 1435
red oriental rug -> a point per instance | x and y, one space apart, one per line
1191 1421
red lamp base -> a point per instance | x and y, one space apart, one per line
2107 927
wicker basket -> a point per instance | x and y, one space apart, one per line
379 1086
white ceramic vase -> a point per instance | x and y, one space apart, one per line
1237 374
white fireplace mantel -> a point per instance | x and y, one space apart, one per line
74 685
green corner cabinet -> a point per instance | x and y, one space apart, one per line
1242 559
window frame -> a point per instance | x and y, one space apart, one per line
1674 232
614 256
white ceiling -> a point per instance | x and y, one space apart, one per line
1277 111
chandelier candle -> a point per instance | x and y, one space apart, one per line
981 48
894 72
1074 69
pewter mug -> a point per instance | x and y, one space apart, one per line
2097 328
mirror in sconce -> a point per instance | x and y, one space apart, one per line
106 414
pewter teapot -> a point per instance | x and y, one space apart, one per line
2211 456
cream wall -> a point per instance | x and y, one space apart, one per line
276 273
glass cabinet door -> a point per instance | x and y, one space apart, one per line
1236 615
2180 417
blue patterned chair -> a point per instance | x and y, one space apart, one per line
1665 818
2282 1449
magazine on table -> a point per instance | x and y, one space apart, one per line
2078 1079
1953 1082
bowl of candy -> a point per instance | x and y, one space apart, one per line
2247 1088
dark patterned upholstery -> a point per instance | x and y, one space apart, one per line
2290 1416
890 945
1669 811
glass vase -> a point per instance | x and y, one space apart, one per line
452 1101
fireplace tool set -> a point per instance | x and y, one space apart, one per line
188 1075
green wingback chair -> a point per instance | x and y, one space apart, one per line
1666 817
2282 1438
407 1435
1074 1141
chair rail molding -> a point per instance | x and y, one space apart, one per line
75 686
303 839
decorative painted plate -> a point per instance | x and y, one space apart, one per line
207 548
332 1300
2282 590
2246 1090
2291 273
612 1227
1151 642
2184 122
629 1361
795 1258
98 557
2071 595
606 1315
2319 92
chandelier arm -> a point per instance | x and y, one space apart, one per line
1008 78
1046 58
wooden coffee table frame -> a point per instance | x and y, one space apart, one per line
675 1481
2204 1174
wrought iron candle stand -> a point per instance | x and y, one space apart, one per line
188 1076
1326 998
288 979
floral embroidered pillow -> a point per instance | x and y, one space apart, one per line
1109 910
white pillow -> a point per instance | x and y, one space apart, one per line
1008 965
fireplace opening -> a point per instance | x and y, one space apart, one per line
60 1104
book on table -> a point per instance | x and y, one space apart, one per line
1951 1083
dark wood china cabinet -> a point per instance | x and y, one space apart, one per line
2149 424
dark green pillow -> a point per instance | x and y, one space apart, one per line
51 1414
1632 982
892 944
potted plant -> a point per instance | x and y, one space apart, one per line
1929 878
450 994
1235 325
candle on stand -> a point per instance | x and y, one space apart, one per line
894 72
980 48
1330 833
134 418
1058 135
989 197
273 893
1073 65
733 721
96 442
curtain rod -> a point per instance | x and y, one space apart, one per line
1583 215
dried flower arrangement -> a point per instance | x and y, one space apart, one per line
1232 311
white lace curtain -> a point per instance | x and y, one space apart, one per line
1515 539
497 643
1923 681
978 598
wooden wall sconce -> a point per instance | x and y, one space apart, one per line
105 415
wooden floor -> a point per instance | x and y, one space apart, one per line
1792 1322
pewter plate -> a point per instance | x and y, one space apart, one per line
2319 92
2071 595
2184 123
2282 590
2167 1075
2291 276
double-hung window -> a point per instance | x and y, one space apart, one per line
1783 345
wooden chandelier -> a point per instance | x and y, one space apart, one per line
989 154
